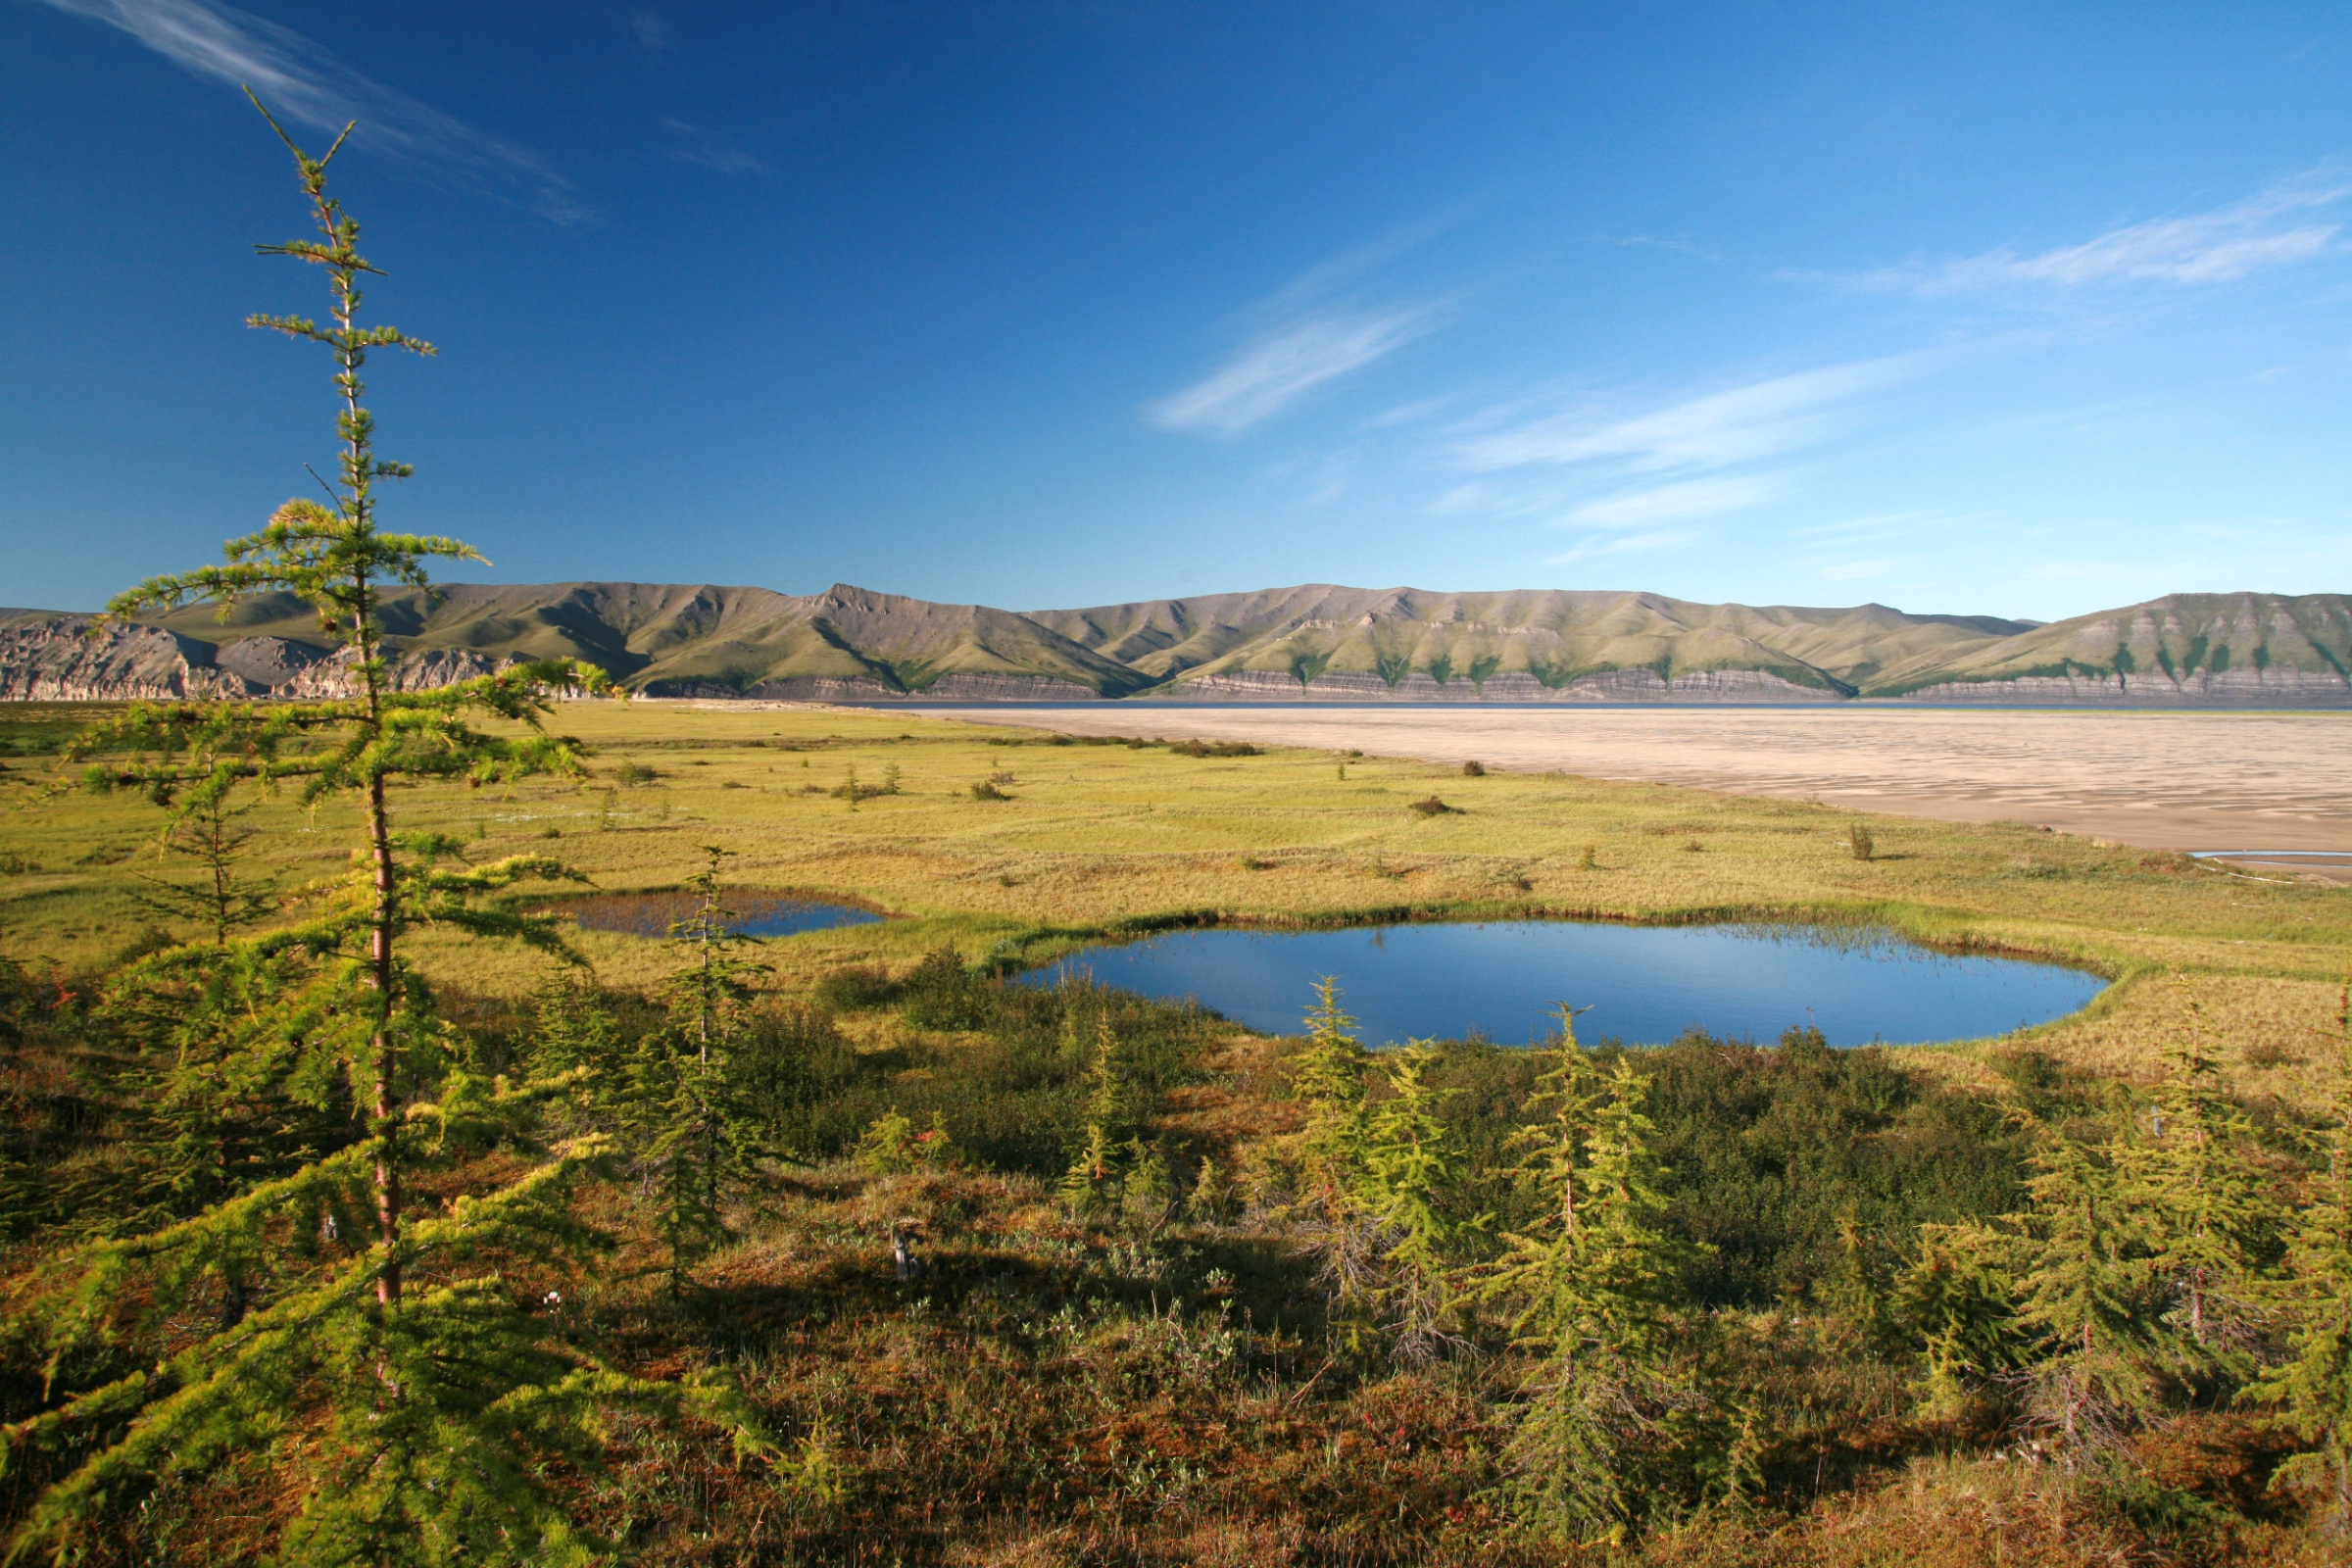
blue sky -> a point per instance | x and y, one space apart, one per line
2016 309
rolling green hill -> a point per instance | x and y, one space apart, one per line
2213 645
1316 642
1530 645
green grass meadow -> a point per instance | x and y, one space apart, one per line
1094 839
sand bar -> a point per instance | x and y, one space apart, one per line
2234 781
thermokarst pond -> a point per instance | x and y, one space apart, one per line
1645 984
757 913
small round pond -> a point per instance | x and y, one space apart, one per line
757 913
1645 984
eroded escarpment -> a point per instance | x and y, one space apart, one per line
1601 686
2205 688
81 658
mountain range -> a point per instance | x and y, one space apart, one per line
1316 643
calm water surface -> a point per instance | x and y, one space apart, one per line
757 914
1645 984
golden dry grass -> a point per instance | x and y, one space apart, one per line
1099 837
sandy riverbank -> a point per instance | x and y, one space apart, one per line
2163 780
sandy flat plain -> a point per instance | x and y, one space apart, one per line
2200 781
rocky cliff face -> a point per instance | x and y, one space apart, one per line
77 659
61 660
831 689
1604 686
2250 688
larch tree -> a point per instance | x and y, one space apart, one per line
696 1141
2214 1228
418 1425
2088 1292
1403 1259
1594 1290
1329 1077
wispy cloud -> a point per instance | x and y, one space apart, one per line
305 83
1626 545
1306 337
1716 429
2271 229
651 32
711 149
1282 364
1661 242
1687 497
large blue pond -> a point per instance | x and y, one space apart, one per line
1645 984
757 914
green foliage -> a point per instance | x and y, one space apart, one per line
1378 1175
576 1039
1119 1169
1957 1301
2213 1225
1329 1075
1399 1245
2132 1277
892 1146
1594 1287
233 1082
2312 1384
2086 1291
695 1139
205 829
1774 1154
1006 1067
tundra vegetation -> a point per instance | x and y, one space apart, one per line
359 1208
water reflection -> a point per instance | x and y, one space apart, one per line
757 913
1645 984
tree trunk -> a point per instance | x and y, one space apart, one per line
384 1048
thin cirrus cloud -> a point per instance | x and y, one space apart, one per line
651 32
1687 498
302 82
1626 545
2271 229
1282 364
711 149
1717 429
